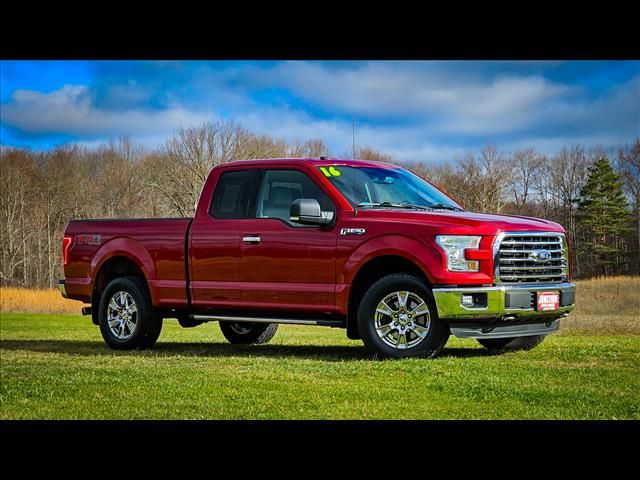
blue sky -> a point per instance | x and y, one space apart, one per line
415 110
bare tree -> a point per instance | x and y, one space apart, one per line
310 148
119 185
41 191
369 153
484 180
525 165
188 156
566 173
17 167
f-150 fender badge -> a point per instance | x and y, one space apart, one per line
90 239
353 231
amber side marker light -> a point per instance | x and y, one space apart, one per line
66 243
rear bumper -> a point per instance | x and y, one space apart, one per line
505 302
76 289
62 288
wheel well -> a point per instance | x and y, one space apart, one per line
368 274
113 268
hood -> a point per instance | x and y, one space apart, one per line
479 223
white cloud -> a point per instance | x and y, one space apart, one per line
551 145
616 112
293 125
417 111
405 143
71 110
457 104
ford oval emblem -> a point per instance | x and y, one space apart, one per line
540 255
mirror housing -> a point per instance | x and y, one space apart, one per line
307 211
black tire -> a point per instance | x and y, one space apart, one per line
247 332
512 344
186 322
437 331
148 324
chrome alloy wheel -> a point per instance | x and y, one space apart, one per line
402 320
122 315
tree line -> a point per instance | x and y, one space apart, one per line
593 193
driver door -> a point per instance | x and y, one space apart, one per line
285 265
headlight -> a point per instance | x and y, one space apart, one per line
454 247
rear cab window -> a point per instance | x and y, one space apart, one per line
234 195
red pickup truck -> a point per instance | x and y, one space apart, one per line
365 246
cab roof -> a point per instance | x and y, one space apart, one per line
314 161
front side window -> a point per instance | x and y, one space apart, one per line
281 187
386 187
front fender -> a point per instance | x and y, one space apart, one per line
417 252
409 248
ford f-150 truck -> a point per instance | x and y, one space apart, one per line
365 246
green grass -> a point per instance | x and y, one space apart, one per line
57 367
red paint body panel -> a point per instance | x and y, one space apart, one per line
293 269
214 261
156 246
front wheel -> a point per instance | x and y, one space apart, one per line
397 318
513 343
248 332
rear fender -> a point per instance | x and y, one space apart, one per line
129 248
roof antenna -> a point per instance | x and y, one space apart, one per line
353 144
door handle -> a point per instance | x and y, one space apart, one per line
252 239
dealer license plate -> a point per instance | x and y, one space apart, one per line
548 301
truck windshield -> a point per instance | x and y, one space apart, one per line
376 187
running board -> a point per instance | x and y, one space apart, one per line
291 321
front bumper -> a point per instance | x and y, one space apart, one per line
504 301
509 310
484 330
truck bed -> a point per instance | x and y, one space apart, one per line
159 242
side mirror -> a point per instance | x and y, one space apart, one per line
307 211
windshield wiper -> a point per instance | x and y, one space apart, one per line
412 206
393 205
442 206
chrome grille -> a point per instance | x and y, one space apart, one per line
532 258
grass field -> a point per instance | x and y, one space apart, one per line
57 366
610 305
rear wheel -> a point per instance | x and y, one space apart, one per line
513 343
248 332
126 316
397 318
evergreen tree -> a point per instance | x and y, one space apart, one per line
603 218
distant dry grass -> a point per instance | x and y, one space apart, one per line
36 301
608 305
